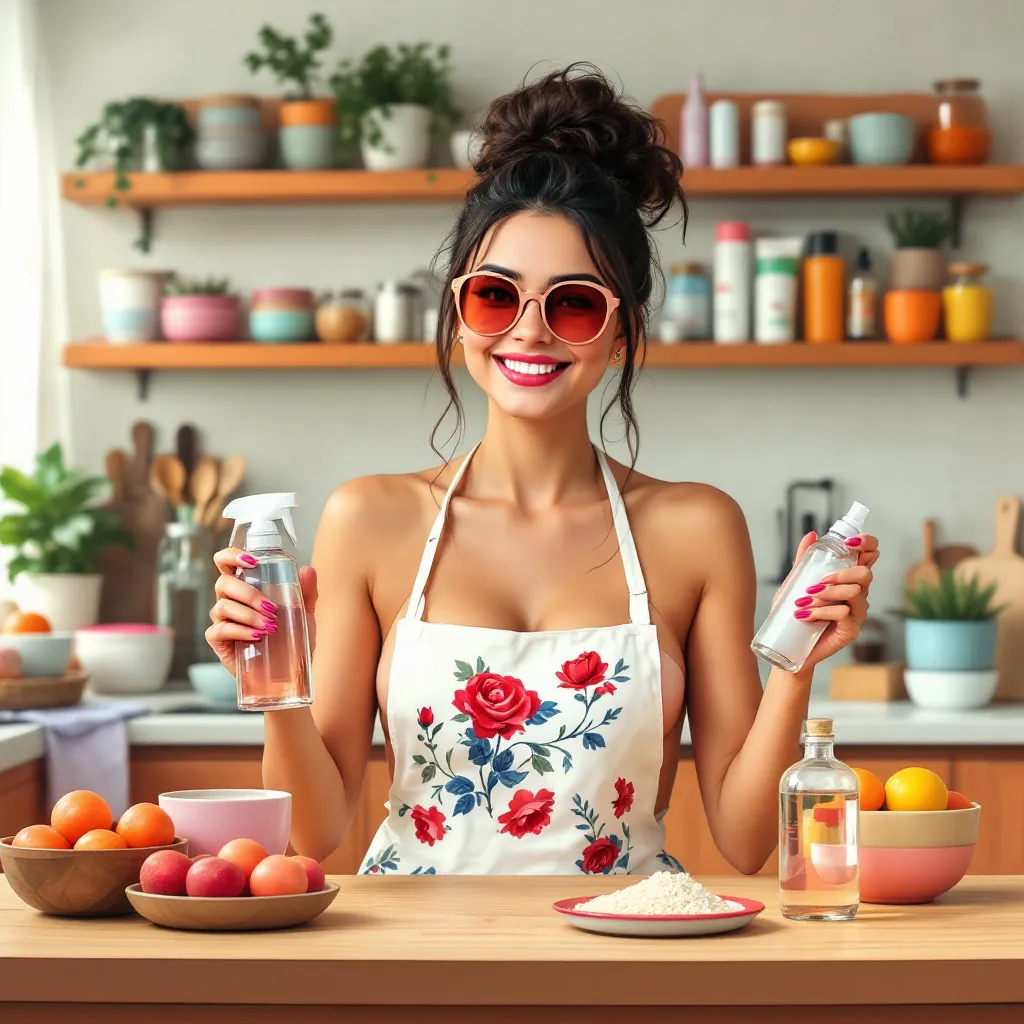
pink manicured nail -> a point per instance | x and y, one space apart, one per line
268 607
854 542
816 589
802 614
269 627
249 560
803 602
258 634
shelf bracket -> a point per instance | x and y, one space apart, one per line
963 380
957 205
142 378
145 240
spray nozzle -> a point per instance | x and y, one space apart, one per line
853 522
262 511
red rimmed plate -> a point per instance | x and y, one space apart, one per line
659 926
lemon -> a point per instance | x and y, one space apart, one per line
915 789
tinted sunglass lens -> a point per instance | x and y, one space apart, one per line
488 304
576 313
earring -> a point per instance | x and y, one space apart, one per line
459 338
617 354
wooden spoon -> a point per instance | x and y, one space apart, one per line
167 478
927 570
203 485
188 453
232 471
116 463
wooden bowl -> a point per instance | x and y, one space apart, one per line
76 883
919 830
235 914
59 692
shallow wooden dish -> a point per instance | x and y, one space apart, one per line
919 830
238 914
44 692
76 883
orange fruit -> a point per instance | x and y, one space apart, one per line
146 825
78 812
872 791
915 789
957 802
26 622
245 854
41 837
101 839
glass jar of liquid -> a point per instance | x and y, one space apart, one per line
960 133
184 592
967 303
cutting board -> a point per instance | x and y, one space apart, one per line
1005 567
927 570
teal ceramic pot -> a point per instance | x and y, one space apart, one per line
881 138
228 117
935 646
308 147
231 149
280 326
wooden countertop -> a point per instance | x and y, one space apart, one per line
487 942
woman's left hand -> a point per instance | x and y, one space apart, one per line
843 603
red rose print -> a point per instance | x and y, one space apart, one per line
599 857
498 705
426 717
624 801
586 670
605 688
527 812
429 824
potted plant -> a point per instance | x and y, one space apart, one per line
307 134
391 100
57 539
951 634
918 262
200 311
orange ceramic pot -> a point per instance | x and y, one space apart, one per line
912 317
959 144
295 112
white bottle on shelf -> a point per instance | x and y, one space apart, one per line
732 282
694 125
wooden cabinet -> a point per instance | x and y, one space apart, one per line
995 779
22 796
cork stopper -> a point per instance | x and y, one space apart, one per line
819 727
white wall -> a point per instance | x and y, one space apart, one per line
900 441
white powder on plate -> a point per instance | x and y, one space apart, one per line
663 893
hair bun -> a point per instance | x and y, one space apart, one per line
577 114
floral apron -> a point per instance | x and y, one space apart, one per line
524 753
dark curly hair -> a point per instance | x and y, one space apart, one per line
571 144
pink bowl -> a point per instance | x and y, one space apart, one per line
133 628
911 876
200 317
301 297
209 818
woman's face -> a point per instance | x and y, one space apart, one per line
533 250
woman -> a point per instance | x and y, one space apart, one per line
534 620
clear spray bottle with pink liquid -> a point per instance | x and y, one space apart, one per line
275 672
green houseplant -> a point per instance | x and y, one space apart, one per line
390 101
307 134
918 262
58 536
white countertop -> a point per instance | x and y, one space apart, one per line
178 718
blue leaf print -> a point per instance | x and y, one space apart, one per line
583 826
610 715
566 763
470 735
465 805
580 697
492 780
548 709
510 779
623 862
620 666
420 871
459 786
480 752
503 761
592 740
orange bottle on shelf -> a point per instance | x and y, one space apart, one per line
824 289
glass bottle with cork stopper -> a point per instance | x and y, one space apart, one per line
819 877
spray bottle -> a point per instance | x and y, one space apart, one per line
273 671
784 640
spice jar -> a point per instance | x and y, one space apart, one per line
688 302
394 310
967 303
344 318
870 646
824 289
768 133
960 133
184 592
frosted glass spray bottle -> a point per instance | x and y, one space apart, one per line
274 671
784 640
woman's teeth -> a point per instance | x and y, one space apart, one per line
533 368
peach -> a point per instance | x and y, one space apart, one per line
212 876
278 875
244 854
314 873
163 873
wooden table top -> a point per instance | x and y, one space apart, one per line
495 941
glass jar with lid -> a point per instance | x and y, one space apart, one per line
344 317
184 592
960 131
967 303
688 302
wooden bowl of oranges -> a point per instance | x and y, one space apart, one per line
81 863
917 837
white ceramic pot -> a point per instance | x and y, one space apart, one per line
406 138
130 304
466 146
951 691
68 600
125 657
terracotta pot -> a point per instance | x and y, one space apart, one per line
918 270
959 144
200 318
912 316
295 112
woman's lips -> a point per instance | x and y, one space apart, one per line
530 371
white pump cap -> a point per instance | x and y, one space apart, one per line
261 511
853 522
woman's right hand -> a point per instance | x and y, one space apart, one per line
242 613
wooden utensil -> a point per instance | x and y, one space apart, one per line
167 478
1005 567
188 452
927 570
203 485
116 465
232 472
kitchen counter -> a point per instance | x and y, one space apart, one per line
435 949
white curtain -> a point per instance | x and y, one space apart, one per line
32 312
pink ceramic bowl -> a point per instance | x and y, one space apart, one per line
911 876
288 298
200 318
209 818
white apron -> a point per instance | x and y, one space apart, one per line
524 753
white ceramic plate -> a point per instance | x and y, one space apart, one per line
663 926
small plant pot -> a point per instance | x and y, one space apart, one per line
405 137
200 317
937 646
951 691
130 305
912 317
307 112
308 147
228 110
69 601
465 147
230 148
917 270
281 326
